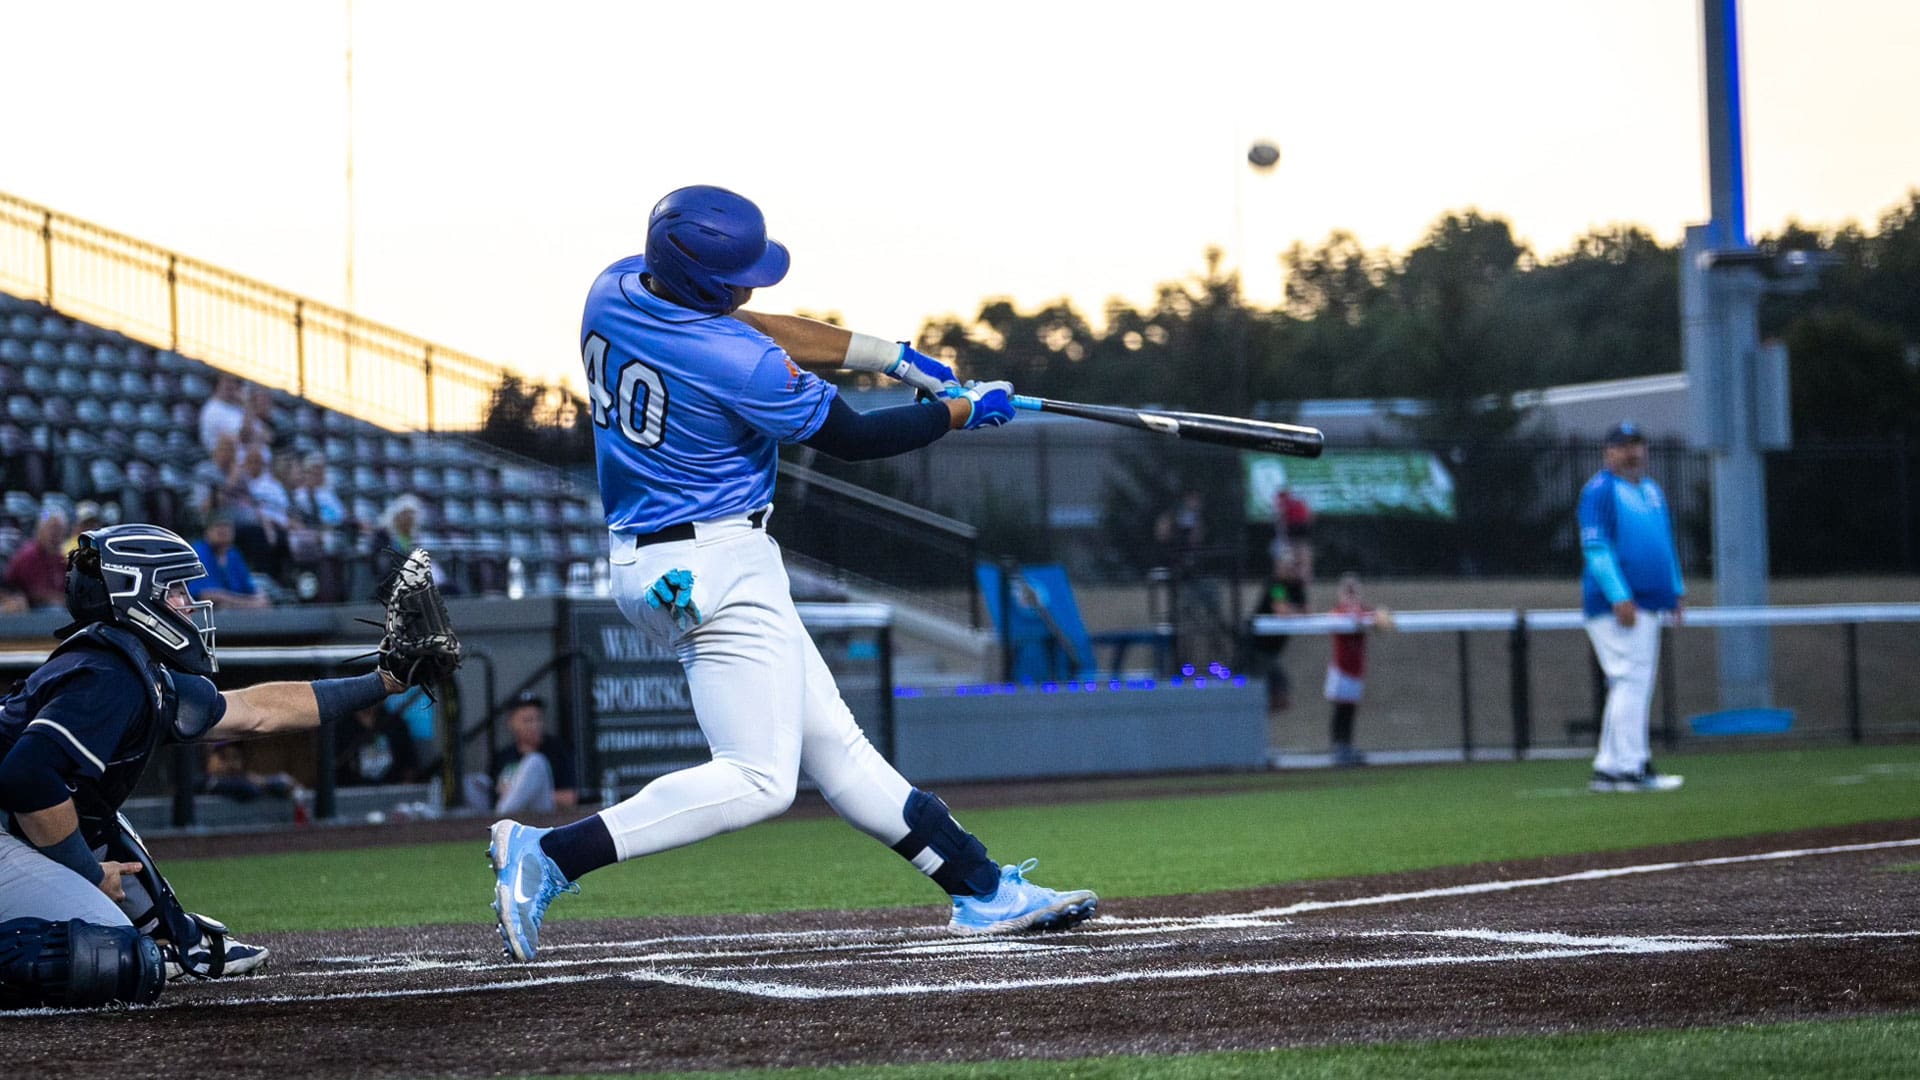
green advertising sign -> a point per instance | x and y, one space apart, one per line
1352 483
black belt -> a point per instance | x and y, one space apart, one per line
684 530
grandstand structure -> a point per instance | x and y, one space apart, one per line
100 400
109 346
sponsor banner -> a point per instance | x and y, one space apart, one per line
1352 483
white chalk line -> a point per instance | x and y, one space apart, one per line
1584 875
1108 926
814 993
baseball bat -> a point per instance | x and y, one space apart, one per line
1264 435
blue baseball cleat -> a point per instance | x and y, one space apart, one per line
526 882
1018 904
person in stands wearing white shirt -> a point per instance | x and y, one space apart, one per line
225 413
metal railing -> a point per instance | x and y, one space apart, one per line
1520 626
328 356
921 556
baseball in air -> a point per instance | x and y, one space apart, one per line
1263 155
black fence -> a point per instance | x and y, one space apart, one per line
1092 502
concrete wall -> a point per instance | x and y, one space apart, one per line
945 736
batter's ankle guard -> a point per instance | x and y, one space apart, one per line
938 847
76 963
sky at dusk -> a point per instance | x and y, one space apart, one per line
916 158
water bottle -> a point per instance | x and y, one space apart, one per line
602 578
516 578
609 788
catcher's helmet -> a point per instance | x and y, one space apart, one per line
123 574
705 243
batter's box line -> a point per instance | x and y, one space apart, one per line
1108 925
789 992
1553 946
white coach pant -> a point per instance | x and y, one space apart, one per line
761 692
1630 657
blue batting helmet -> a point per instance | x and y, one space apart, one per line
705 242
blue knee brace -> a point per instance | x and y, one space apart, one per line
954 858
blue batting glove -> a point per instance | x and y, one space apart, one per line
926 365
673 594
991 402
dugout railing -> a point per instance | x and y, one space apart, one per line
1525 631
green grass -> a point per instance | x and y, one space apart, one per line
1855 1049
1286 827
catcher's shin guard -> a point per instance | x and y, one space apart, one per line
76 963
180 931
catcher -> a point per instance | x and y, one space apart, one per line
85 916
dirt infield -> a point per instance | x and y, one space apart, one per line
1807 925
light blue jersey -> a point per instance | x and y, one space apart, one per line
1627 540
689 409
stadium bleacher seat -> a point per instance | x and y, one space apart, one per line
88 413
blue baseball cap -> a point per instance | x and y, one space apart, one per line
1625 431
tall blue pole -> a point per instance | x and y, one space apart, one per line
1726 145
1720 308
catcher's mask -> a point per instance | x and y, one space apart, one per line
136 576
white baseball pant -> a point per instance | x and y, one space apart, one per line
761 692
1630 657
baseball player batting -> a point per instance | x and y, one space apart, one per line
692 398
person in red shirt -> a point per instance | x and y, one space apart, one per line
38 570
1347 668
1293 529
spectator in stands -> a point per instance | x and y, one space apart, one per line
1347 668
213 475
533 772
259 429
38 570
228 584
223 414
1283 593
399 528
314 497
399 533
374 747
273 503
226 774
86 517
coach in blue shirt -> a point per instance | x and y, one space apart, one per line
1632 577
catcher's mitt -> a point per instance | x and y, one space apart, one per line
420 647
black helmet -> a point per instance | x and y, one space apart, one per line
122 575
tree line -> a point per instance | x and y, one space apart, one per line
1467 312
